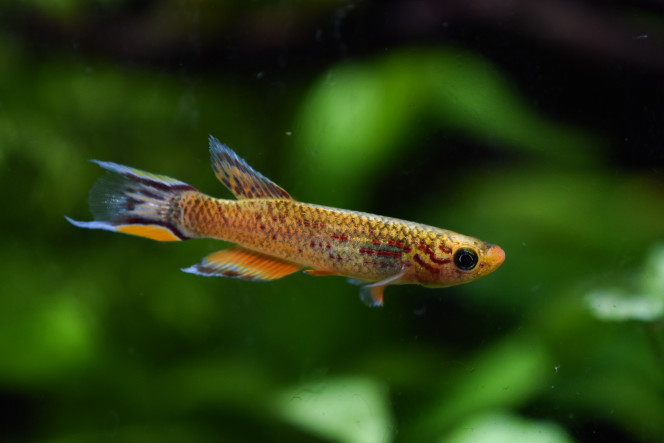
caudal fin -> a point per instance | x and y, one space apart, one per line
135 202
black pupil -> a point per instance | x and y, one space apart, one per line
465 259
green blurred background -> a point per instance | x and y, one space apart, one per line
536 125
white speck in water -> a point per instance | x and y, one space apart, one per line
260 75
289 133
556 368
641 37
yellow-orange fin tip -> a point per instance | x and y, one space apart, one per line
153 232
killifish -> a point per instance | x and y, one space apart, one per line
276 235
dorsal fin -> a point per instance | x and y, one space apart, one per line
240 178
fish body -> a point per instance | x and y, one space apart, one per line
276 235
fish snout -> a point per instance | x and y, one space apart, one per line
495 256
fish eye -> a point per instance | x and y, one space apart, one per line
465 259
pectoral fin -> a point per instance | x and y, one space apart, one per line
372 294
238 262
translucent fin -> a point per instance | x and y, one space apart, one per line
372 294
134 202
240 178
238 262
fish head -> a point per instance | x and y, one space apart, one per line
463 260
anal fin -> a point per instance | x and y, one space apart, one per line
239 262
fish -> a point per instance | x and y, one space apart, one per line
275 235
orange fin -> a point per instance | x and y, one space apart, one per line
153 232
372 294
238 262
240 178
319 272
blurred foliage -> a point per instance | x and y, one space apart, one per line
103 338
358 117
646 305
501 427
349 410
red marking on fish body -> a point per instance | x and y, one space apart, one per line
379 252
375 241
340 237
398 244
432 255
425 265
445 249
388 253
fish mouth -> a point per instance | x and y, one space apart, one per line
495 256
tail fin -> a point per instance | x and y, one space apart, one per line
135 202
